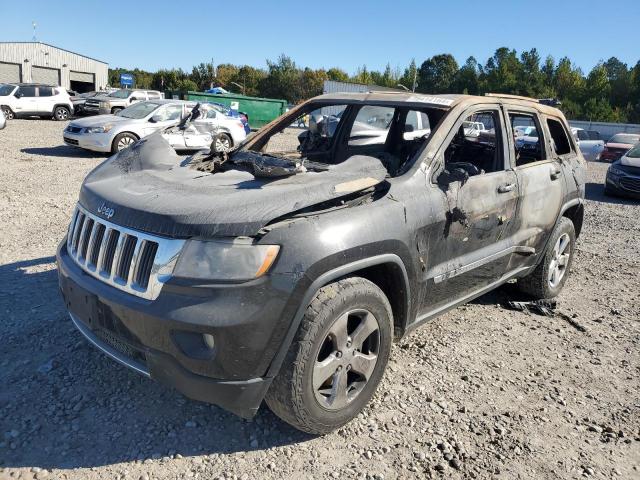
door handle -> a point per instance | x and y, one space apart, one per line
506 188
555 174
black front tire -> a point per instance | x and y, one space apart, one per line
122 141
292 396
538 284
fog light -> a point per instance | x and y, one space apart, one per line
200 346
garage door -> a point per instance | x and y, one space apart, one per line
9 72
45 75
81 77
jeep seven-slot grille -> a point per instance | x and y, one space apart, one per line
129 260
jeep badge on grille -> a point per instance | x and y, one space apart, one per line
106 211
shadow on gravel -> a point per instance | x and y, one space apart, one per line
62 151
595 192
65 405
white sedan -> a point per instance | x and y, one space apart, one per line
112 133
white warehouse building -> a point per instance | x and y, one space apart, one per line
36 62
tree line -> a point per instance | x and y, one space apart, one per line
610 92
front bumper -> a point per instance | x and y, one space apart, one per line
96 142
623 185
159 338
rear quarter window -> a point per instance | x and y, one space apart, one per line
559 137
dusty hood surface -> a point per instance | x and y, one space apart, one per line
98 121
150 188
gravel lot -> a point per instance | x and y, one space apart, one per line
482 392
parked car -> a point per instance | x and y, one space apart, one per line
3 121
623 175
112 133
618 145
119 100
33 99
79 100
244 118
589 142
284 271
210 125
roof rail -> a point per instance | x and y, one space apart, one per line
552 102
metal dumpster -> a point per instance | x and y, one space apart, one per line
259 110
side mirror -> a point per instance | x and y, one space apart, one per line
134 99
447 177
408 128
17 95
155 119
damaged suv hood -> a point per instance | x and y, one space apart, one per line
148 187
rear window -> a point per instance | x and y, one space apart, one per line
45 91
559 137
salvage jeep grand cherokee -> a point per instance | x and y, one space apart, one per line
284 270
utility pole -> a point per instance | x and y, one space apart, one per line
34 25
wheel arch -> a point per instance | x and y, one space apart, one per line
387 271
575 212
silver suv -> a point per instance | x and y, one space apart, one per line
119 100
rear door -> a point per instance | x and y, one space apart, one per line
45 99
540 182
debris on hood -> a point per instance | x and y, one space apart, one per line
151 188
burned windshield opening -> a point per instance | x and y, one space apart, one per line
331 134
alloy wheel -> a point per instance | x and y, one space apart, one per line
559 260
346 359
125 142
62 114
223 144
8 113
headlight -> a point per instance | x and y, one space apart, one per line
102 129
225 261
104 105
615 171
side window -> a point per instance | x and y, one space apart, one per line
45 92
559 137
27 91
580 134
477 145
171 112
153 95
529 146
371 126
416 125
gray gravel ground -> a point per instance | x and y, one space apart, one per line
481 392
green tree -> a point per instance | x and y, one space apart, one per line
337 75
281 80
532 79
467 79
503 71
436 75
410 76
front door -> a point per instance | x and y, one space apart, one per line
473 247
27 100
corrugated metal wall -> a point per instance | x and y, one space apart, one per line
34 54
607 130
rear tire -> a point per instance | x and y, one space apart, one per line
61 114
8 113
547 280
122 141
337 358
223 142
116 110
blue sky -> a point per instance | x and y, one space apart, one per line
326 33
